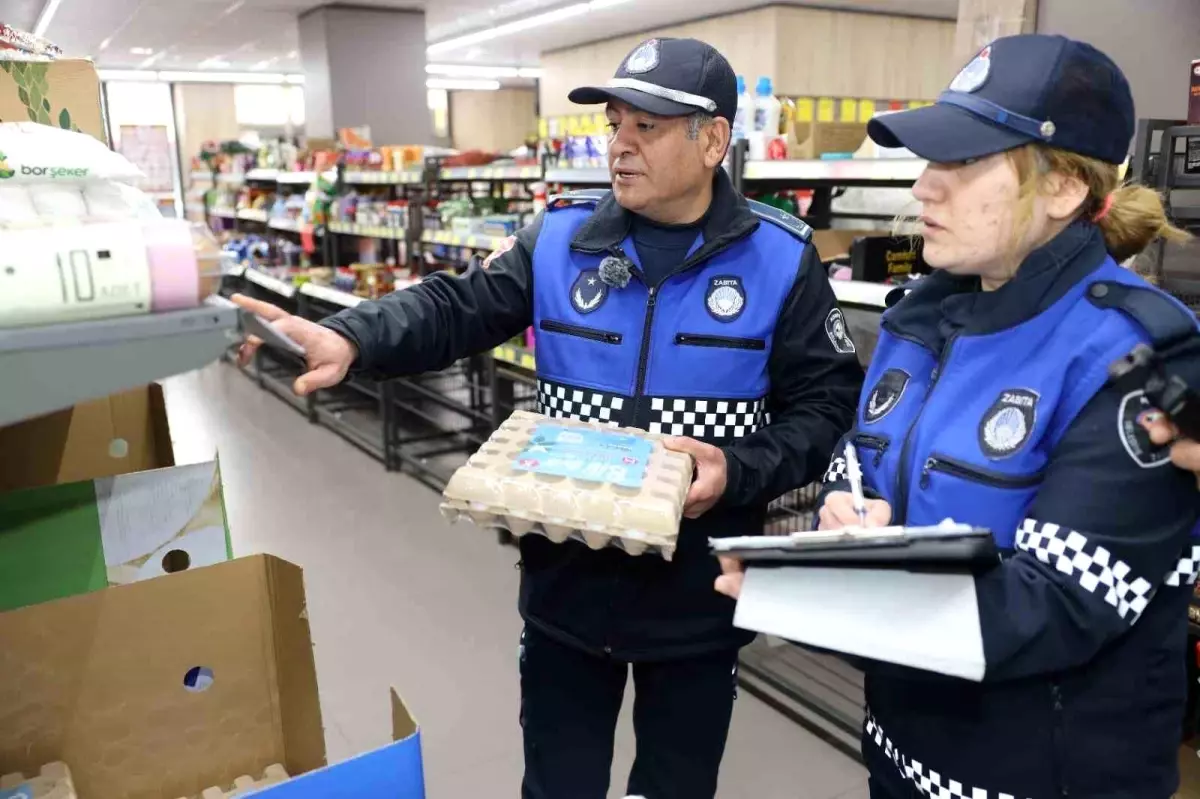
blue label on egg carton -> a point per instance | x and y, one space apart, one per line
20 792
591 455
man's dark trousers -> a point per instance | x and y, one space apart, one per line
570 701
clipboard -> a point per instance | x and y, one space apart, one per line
946 548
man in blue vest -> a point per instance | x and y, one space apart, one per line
673 305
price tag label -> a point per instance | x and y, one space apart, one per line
72 274
805 109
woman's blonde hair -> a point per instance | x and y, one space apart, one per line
1135 220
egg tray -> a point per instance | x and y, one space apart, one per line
54 782
272 775
493 493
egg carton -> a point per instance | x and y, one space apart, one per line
54 782
272 775
493 492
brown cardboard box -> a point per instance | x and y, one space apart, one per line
123 433
834 244
63 93
166 687
810 140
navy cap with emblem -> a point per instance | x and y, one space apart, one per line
1018 90
670 78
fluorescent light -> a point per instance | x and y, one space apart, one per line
104 44
463 84
216 62
142 50
43 20
264 64
519 25
472 71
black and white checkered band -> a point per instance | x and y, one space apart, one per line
927 781
707 419
1092 566
1187 570
836 470
583 404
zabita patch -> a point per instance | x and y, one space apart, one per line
1008 424
1145 453
839 336
725 299
886 395
975 74
504 247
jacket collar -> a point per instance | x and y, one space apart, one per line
943 303
729 219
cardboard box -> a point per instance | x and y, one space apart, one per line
63 93
126 432
57 541
878 259
810 140
834 244
164 688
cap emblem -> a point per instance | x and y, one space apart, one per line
975 74
644 58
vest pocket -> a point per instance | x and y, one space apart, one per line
591 334
975 474
724 342
879 444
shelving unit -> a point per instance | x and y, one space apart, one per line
55 366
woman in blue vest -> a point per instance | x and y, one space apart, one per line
987 401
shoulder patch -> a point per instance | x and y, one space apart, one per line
782 219
1166 320
1145 453
573 198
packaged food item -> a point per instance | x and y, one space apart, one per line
566 479
33 153
54 782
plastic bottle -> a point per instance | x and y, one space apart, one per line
745 110
766 108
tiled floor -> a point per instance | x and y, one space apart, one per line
397 597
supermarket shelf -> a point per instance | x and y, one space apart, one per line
296 178
579 177
236 271
253 214
858 292
515 356
331 295
901 172
263 175
363 178
223 213
370 231
460 240
291 225
491 173
271 283
55 366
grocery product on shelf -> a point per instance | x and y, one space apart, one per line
54 782
566 479
36 153
744 112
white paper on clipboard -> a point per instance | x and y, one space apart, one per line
926 621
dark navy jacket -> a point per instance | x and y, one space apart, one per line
745 330
994 409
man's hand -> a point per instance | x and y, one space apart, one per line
733 574
329 355
709 484
1185 453
838 512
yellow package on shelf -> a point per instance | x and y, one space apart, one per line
570 480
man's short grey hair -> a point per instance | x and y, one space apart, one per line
696 121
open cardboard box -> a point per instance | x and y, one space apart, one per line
122 433
164 688
63 93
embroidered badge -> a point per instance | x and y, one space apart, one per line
1008 423
588 292
644 58
839 336
1136 440
886 395
726 298
974 75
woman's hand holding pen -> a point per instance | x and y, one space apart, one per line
837 512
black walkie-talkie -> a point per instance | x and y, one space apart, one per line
1143 369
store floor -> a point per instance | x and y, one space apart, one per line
397 597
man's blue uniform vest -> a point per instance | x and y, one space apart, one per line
688 357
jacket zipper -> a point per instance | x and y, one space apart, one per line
940 463
880 445
900 511
591 334
725 342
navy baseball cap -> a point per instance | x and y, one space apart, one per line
670 78
1021 89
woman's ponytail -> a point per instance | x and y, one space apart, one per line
1133 219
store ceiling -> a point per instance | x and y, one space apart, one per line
241 35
